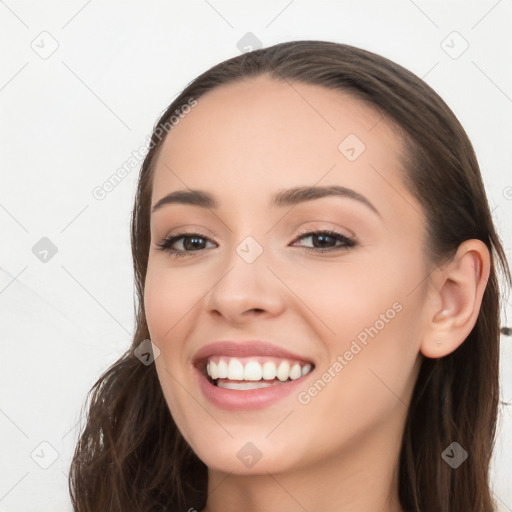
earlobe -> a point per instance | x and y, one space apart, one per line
457 291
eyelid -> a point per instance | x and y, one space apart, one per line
176 232
175 236
347 233
347 242
190 229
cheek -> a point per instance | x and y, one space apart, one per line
377 334
365 312
158 305
367 379
168 297
347 296
168 304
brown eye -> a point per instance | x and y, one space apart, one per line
190 242
327 241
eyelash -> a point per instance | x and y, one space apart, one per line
166 244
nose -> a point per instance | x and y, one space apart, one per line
246 291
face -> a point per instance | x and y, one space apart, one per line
334 280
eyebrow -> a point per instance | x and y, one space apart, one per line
288 197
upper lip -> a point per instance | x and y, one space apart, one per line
245 349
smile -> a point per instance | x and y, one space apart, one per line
253 373
235 384
245 375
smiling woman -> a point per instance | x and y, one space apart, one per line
317 270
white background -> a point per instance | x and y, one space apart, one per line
71 119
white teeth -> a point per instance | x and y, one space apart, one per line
244 385
306 369
233 369
283 372
269 370
213 370
295 371
253 371
222 370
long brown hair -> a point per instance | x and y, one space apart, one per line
131 456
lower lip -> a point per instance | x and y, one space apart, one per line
246 400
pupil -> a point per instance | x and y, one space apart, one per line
319 237
192 243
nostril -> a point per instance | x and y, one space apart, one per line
256 310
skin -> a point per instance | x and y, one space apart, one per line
243 142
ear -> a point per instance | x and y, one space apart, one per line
455 297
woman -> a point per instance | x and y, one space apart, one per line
316 268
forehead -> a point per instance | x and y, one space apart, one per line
261 134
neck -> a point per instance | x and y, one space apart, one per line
355 479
